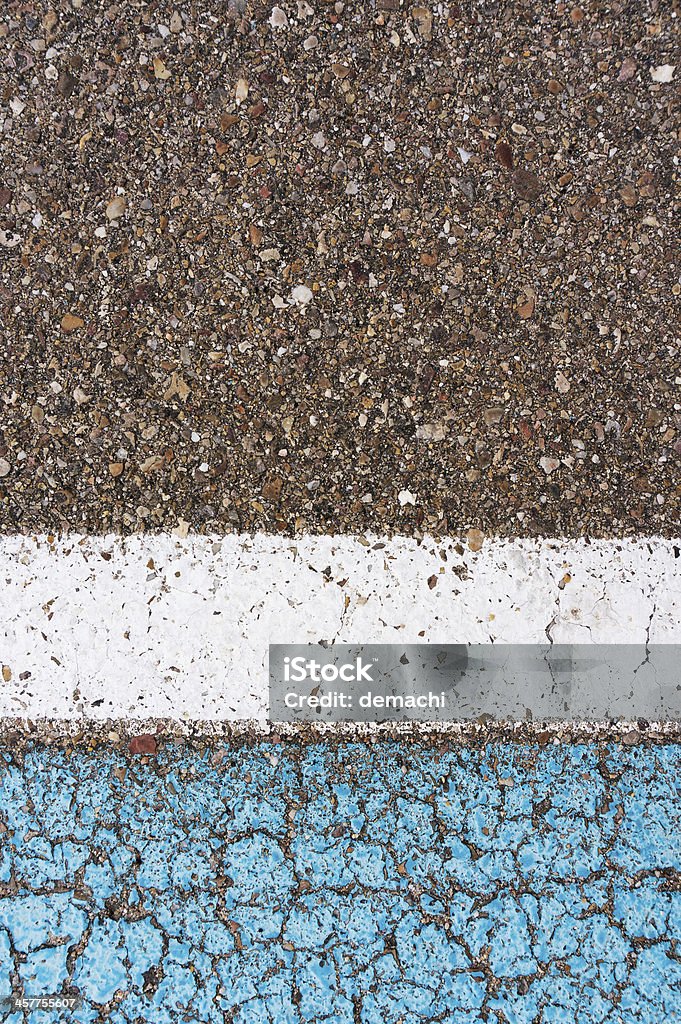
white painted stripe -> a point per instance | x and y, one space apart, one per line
154 626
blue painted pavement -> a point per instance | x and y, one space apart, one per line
386 884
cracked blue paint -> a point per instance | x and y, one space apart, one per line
344 883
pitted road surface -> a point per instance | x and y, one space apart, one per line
350 883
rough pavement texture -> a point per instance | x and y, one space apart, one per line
351 884
327 266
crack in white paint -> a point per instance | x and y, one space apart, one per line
154 626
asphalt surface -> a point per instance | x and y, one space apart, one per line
340 267
351 884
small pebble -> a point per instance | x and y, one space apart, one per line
301 295
116 208
278 18
663 73
70 322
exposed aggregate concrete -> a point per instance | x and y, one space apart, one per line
340 267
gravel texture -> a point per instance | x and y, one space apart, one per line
332 267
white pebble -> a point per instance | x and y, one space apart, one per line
278 18
301 295
241 91
431 432
549 464
116 208
562 383
663 73
79 396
